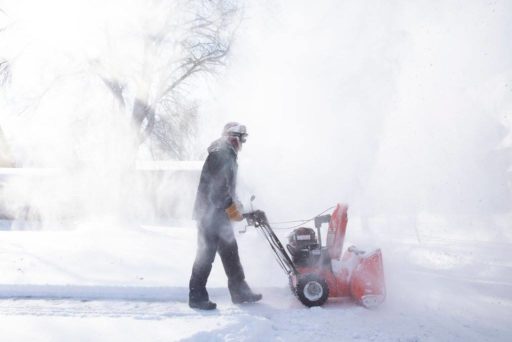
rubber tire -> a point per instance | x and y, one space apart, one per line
301 285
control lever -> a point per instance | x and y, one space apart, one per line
249 219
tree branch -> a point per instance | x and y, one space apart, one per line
116 88
5 73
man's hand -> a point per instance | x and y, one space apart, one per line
234 212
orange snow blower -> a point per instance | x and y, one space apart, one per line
309 265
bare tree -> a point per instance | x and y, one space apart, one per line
5 71
5 75
190 38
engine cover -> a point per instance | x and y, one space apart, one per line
303 247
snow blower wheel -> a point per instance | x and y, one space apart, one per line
312 290
291 286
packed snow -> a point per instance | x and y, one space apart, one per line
104 284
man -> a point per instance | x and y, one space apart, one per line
215 207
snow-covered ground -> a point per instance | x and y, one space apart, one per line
130 284
397 107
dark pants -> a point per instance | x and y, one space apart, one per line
215 234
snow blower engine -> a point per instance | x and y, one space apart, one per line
309 264
303 247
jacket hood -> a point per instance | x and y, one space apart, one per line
221 144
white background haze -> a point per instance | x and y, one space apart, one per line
401 109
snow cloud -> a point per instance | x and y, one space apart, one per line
394 107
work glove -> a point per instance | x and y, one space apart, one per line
234 212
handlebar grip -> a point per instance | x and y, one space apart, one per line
322 219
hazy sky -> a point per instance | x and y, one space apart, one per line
390 106
397 106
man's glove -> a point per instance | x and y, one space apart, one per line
234 212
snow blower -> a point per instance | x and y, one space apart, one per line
309 265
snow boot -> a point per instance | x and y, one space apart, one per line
243 294
202 305
246 298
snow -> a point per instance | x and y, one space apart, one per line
401 109
110 284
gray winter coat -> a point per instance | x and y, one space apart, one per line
217 185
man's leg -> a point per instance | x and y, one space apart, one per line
207 241
228 251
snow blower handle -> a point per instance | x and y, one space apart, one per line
322 219
250 221
249 216
255 218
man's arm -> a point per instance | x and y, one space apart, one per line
221 171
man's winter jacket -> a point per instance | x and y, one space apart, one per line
217 185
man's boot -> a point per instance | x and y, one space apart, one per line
198 299
242 293
202 305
